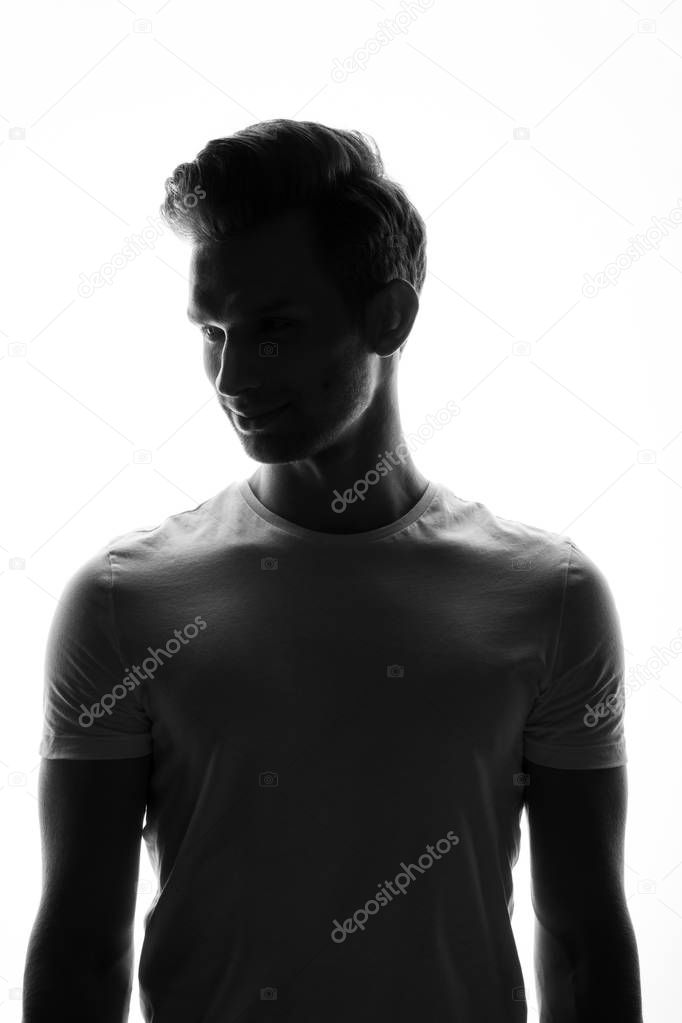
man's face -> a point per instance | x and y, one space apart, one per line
302 353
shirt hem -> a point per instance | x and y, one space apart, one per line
64 747
576 758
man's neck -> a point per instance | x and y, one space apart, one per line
321 504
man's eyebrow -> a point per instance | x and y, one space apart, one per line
274 305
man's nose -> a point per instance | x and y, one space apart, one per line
240 367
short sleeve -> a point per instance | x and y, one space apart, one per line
577 720
91 709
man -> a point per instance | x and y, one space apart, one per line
334 685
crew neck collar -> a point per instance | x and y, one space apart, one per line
336 539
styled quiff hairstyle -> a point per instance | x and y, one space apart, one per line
367 230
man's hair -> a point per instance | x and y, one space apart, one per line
366 229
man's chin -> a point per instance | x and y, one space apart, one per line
271 449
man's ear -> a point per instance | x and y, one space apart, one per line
391 315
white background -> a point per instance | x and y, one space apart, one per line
536 140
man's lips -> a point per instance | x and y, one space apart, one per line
255 422
253 413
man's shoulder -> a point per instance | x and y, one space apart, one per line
165 547
181 526
494 537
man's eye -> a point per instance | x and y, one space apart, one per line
205 331
273 323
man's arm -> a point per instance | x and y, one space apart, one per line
586 961
80 952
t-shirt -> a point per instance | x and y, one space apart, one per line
337 725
